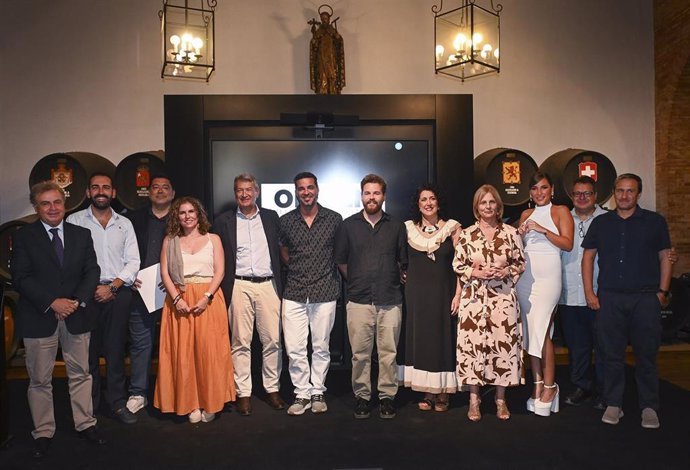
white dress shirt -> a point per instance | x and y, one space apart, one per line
116 245
573 291
253 258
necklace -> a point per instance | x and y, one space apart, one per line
429 228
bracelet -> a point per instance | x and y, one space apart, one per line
177 299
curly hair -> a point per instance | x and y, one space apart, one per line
174 229
440 200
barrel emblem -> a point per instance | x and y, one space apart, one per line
61 175
511 172
588 169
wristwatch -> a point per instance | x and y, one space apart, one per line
209 295
113 289
665 292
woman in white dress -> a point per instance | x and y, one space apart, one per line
546 230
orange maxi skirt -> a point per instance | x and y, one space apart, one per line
194 362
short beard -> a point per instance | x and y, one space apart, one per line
372 211
101 205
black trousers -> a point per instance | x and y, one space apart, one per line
636 319
109 340
580 334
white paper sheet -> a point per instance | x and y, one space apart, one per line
151 294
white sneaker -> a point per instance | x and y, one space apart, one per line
207 417
650 420
318 404
135 403
195 416
299 406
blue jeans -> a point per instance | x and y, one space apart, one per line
142 326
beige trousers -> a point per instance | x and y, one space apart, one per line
40 361
255 302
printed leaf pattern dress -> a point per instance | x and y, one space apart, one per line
489 346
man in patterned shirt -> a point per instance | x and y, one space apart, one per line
307 239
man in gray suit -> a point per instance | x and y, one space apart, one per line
55 271
253 288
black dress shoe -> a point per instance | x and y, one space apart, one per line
599 403
41 446
92 435
362 409
125 416
386 408
578 397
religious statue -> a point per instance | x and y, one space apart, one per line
326 54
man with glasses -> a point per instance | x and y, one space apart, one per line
633 246
577 319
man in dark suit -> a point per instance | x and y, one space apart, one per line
55 271
149 224
253 288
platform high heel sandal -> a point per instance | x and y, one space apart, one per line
530 400
545 408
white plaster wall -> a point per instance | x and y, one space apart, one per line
85 74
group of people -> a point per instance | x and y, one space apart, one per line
474 299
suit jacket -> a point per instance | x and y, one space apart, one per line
39 279
226 228
140 222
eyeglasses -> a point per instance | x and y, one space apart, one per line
583 194
581 229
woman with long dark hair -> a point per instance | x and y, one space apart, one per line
546 229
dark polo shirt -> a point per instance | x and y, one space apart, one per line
373 256
312 274
628 249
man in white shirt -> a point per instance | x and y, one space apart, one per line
118 257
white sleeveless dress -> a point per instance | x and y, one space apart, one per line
539 287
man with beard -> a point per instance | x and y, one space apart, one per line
371 252
307 238
149 224
633 246
252 287
118 257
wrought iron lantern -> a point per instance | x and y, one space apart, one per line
467 40
188 37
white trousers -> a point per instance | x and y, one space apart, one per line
255 302
299 319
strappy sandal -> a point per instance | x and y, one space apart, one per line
474 414
427 404
502 411
442 403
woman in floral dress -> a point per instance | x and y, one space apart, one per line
489 260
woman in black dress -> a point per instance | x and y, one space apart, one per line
431 297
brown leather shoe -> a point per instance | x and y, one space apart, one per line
244 406
275 401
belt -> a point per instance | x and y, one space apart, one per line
254 279
642 290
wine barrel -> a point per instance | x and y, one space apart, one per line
9 305
509 171
71 171
566 166
6 231
133 177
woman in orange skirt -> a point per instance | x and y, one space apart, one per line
195 374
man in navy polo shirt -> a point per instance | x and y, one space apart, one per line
633 245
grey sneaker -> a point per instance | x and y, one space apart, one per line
649 419
318 404
299 406
612 415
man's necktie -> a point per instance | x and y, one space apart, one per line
57 245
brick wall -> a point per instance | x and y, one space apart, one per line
672 101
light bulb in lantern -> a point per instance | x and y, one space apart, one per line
486 51
439 51
175 41
477 39
197 43
496 53
459 42
186 41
